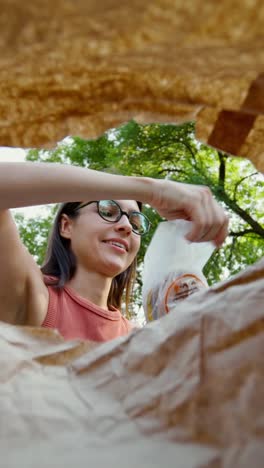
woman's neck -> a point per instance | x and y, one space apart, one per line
91 286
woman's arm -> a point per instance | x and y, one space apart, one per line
27 183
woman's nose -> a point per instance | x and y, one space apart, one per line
123 224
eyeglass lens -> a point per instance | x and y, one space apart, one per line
111 211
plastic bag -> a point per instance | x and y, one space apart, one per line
172 268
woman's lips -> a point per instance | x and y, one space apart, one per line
117 248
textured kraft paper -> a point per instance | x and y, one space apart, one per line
78 67
237 131
184 391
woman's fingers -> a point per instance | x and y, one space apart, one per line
195 203
219 226
210 222
222 233
201 224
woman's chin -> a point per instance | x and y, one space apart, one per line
114 269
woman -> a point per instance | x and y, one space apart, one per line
98 234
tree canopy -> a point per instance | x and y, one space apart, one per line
172 152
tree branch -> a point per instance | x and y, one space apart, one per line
168 143
222 169
222 195
242 233
240 181
166 169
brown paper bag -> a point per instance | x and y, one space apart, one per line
185 391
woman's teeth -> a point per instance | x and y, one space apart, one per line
121 246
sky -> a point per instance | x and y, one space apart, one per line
11 154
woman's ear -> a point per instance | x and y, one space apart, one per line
65 226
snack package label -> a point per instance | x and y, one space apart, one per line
182 287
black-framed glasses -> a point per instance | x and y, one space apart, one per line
111 211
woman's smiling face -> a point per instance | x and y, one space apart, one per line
101 246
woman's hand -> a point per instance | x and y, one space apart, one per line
175 200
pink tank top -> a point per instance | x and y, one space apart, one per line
75 317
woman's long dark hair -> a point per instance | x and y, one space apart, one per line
60 261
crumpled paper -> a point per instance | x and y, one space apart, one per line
237 131
184 391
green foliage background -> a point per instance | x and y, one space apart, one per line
172 152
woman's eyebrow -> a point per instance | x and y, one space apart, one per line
128 209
